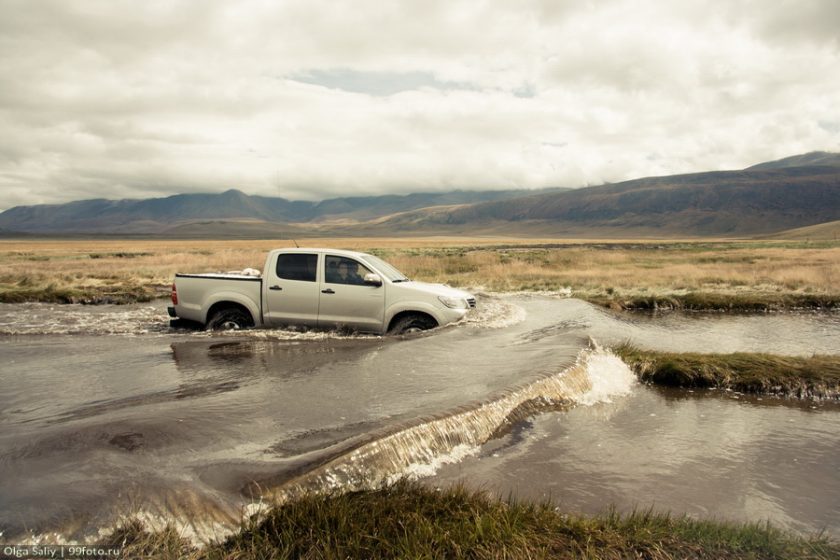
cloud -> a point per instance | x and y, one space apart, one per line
308 100
375 83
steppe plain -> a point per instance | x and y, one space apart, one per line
699 274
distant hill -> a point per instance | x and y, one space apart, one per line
829 231
804 160
189 211
787 194
738 203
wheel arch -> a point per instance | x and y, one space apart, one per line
401 308
230 303
407 312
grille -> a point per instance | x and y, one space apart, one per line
471 302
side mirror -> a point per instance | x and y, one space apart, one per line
373 279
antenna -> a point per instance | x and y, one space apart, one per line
295 242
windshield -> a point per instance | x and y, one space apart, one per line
386 269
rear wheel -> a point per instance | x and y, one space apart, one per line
230 319
412 324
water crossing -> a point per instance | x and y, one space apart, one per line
106 412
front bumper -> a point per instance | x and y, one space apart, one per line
451 315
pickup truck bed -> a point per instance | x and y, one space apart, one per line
194 290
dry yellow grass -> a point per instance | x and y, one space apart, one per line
634 270
123 270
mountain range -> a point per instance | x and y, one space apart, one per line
795 192
157 215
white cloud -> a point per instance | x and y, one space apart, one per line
309 100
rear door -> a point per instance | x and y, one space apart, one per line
292 290
346 301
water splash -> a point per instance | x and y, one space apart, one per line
26 319
72 319
610 378
495 313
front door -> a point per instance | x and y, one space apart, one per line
292 290
346 301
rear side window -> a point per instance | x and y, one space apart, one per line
297 266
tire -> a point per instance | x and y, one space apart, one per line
412 324
230 319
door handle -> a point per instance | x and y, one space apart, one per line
275 288
327 291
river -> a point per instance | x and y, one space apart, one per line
105 411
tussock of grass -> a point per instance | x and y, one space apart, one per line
136 542
809 377
14 294
119 255
87 295
411 521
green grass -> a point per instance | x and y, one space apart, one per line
810 377
411 521
702 301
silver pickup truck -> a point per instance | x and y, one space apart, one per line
322 288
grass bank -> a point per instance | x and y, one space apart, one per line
410 521
805 377
744 301
51 293
699 275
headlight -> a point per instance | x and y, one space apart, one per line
453 303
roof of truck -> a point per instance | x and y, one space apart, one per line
344 252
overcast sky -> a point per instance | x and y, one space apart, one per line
309 99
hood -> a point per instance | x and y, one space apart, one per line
437 289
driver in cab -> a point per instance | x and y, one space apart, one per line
347 272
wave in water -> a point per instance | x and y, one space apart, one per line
418 450
413 451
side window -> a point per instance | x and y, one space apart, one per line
341 270
297 266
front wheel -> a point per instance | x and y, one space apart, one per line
230 319
412 324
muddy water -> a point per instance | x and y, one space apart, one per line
105 411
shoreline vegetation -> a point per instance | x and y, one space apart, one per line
717 275
409 520
811 377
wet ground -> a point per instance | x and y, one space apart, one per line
104 411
